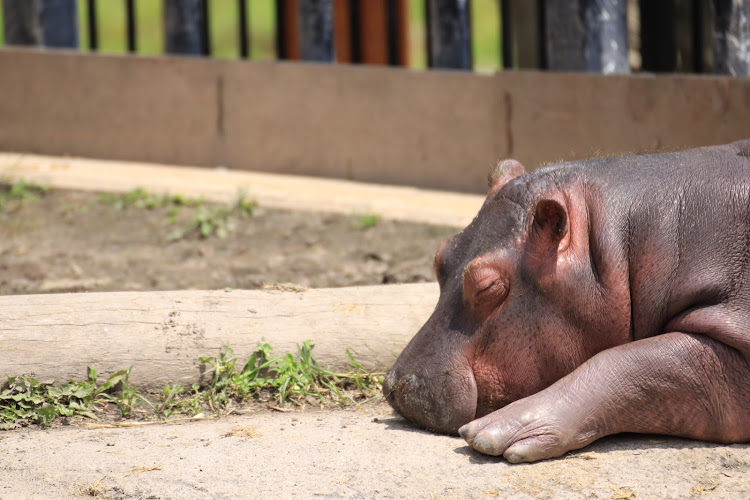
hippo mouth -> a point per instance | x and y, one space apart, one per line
437 403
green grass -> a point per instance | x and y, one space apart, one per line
262 21
19 192
286 380
207 219
365 221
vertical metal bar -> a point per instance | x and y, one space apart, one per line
244 40
587 35
731 37
698 65
205 30
91 18
281 34
130 25
315 21
542 59
183 27
506 38
658 40
391 31
356 31
449 34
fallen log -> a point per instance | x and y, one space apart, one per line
162 334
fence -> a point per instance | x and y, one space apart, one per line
606 36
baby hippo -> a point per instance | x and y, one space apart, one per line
587 299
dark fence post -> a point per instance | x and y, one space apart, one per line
658 41
130 25
731 37
315 22
522 28
50 23
587 35
448 34
184 27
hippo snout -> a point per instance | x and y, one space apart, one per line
422 398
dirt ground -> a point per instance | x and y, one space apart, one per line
68 241
361 453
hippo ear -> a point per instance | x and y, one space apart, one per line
550 224
503 172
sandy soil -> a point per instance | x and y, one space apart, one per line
69 242
362 453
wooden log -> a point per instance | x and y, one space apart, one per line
162 334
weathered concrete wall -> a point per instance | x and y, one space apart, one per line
433 129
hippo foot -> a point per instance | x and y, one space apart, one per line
527 430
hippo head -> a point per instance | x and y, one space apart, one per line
509 319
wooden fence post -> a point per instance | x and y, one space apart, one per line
49 23
315 22
185 27
448 34
587 35
731 37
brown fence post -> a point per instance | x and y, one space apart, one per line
731 37
587 35
49 23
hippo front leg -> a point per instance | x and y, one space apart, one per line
678 384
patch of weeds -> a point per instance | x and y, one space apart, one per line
20 192
289 379
206 221
294 379
126 398
25 400
141 198
215 220
365 221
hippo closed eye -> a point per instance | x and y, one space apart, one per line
587 299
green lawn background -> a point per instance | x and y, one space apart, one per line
485 20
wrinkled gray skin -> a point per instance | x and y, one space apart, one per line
588 299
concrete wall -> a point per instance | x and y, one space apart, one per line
441 130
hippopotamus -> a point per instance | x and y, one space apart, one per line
591 298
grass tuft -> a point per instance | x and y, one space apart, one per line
207 219
287 380
366 221
19 192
